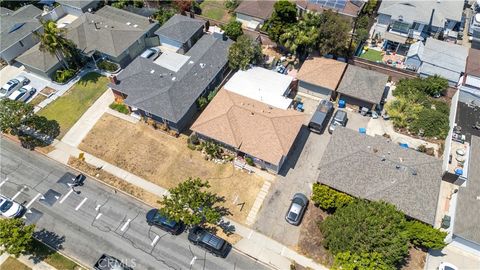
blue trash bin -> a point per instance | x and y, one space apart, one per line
362 130
341 103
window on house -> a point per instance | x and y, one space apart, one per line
400 27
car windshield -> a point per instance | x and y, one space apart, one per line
340 116
164 220
292 216
449 268
5 205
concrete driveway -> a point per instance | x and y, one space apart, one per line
356 120
9 72
298 175
36 81
454 255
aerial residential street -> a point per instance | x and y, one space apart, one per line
98 219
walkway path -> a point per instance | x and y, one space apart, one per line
253 244
28 262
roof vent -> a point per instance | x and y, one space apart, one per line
128 23
252 114
383 158
397 167
414 172
202 65
191 62
173 79
478 198
152 71
135 25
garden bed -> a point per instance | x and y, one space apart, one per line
64 76
37 100
108 66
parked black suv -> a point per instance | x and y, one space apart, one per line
216 245
155 218
107 262
321 116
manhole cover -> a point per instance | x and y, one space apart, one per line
32 215
50 197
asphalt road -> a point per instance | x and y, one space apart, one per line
97 220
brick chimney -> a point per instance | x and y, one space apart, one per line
113 79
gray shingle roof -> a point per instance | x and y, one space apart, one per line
37 59
256 8
180 28
110 33
366 167
466 222
81 4
24 19
158 94
421 11
364 84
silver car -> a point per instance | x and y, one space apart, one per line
297 209
13 85
23 94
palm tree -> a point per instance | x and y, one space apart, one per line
53 41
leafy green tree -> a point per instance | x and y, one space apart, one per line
163 14
425 236
302 37
54 42
15 237
231 5
233 29
243 53
367 227
370 6
283 17
202 102
328 198
192 203
13 114
334 33
431 122
419 87
44 132
365 261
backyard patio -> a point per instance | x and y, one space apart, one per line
167 161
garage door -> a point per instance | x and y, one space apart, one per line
313 90
171 44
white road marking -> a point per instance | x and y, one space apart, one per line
18 193
33 200
98 207
3 182
193 260
98 216
81 203
250 235
155 240
66 196
125 225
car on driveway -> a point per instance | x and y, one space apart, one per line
339 119
10 208
205 239
297 209
447 266
321 116
150 52
155 218
13 85
23 94
107 262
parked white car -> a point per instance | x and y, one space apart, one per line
447 266
10 208
13 85
23 94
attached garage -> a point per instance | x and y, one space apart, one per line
320 76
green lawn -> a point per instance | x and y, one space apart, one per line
67 109
52 257
215 10
13 264
372 55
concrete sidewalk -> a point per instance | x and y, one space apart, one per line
253 244
28 262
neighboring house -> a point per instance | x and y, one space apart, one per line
111 33
362 87
254 13
180 32
377 169
437 58
471 78
17 31
77 7
347 8
402 20
251 128
40 63
320 76
263 85
460 166
166 88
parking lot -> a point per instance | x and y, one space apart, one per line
93 219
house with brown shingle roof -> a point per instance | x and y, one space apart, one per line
471 77
251 128
320 76
348 9
253 13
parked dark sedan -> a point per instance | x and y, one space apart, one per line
297 209
214 244
339 119
155 218
107 262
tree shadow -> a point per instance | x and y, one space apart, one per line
39 249
227 227
91 77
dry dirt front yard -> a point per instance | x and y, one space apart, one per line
167 161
